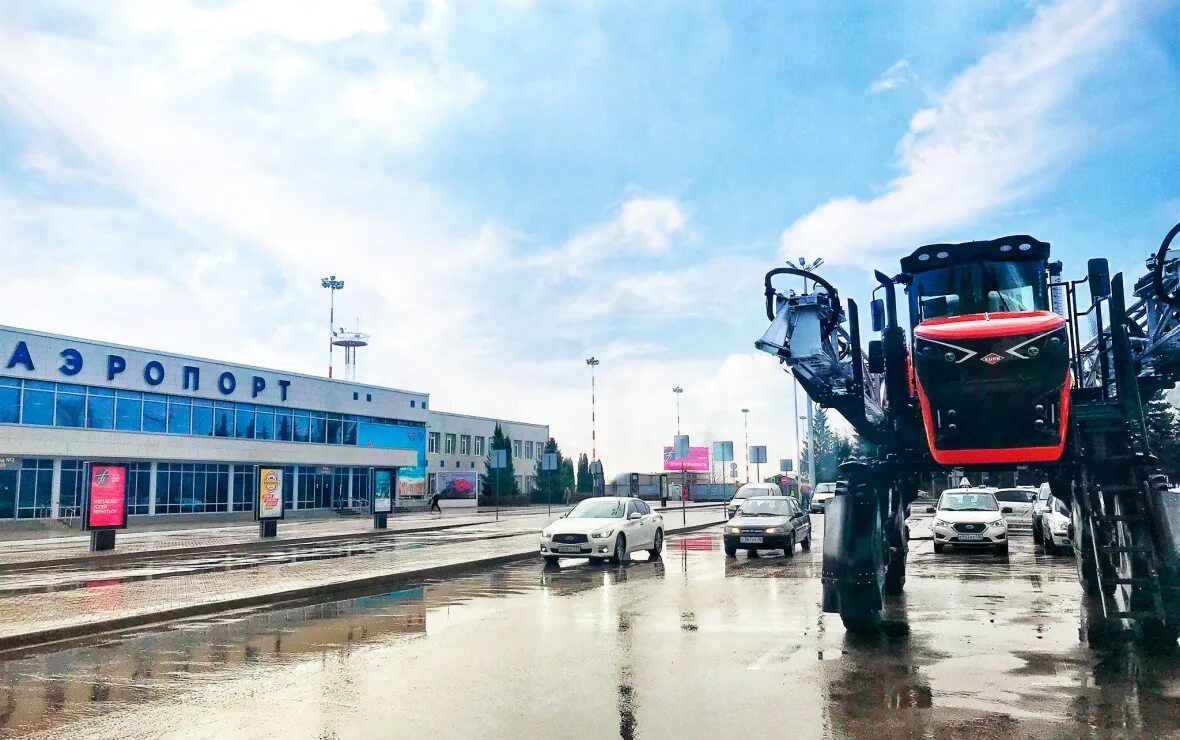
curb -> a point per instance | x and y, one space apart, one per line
48 637
100 560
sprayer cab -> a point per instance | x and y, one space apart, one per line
990 360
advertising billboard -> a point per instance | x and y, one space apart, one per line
106 505
383 491
697 460
411 486
457 486
270 493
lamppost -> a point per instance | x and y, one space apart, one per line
795 398
677 390
593 363
333 285
746 424
804 266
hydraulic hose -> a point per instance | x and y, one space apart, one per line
1157 270
833 322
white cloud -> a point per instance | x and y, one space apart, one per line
643 226
898 74
986 142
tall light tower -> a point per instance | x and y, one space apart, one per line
746 424
676 391
593 363
333 285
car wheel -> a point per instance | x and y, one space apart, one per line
938 547
1038 535
1050 545
658 545
730 552
596 561
806 543
1002 549
751 553
790 548
550 560
620 555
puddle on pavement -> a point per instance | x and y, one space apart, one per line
667 639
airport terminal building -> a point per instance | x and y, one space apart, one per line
192 431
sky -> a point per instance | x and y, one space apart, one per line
508 187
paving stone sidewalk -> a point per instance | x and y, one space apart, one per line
113 603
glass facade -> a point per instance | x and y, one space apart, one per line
41 403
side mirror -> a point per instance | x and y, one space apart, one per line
564 514
1006 510
1098 274
929 509
635 515
877 308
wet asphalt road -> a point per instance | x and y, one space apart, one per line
690 646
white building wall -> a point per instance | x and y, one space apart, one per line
460 425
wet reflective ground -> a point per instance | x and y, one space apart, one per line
690 646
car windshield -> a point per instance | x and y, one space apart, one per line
748 491
968 502
1016 495
766 507
980 287
599 509
825 488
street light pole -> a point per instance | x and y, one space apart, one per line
677 390
333 285
746 424
798 454
812 478
593 363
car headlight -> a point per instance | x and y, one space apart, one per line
774 530
997 523
941 523
734 530
545 533
602 534
1061 527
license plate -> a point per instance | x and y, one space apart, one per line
569 548
751 540
971 537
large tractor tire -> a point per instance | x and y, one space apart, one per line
856 556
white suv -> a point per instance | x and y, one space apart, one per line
969 517
749 491
821 495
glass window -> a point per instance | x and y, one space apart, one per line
432 442
350 430
284 428
334 430
9 401
302 426
71 407
138 487
264 422
223 420
516 448
980 286
203 418
37 403
319 427
244 414
528 450
450 445
128 411
35 489
180 411
465 444
71 489
479 442
100 408
155 413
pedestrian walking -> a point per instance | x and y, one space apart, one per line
434 504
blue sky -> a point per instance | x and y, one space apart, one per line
508 187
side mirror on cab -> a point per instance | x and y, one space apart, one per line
635 515
929 509
1006 510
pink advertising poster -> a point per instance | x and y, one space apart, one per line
696 462
108 486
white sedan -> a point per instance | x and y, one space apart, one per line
605 527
